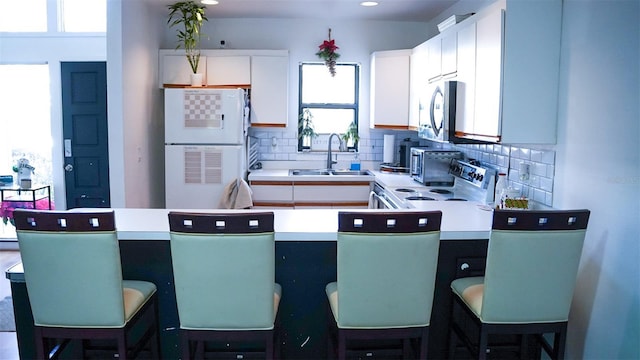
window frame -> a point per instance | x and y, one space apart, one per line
355 106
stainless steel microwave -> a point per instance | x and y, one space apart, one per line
437 111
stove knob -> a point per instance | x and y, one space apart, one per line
480 177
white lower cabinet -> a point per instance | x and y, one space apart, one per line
272 194
310 194
331 194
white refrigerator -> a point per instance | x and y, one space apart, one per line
205 145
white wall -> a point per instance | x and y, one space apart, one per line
136 154
598 168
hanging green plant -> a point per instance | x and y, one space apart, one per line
191 16
328 54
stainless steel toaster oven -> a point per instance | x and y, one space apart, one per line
430 167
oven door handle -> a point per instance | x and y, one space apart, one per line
375 200
385 203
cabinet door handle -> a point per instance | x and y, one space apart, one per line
68 168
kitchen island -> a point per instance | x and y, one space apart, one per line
305 263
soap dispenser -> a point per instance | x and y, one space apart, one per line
355 163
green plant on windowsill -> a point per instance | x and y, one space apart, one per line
190 16
307 130
350 137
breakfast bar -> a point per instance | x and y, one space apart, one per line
305 263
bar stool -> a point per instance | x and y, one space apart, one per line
74 282
531 268
224 272
385 282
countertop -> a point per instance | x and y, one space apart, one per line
460 221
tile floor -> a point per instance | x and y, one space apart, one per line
8 343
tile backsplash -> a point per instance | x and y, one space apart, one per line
514 160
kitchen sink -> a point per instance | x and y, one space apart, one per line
327 172
307 172
351 172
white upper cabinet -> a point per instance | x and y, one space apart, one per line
389 94
434 57
441 55
449 61
466 78
517 61
175 70
264 72
488 74
417 82
269 95
228 70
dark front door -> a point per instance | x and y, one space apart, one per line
84 119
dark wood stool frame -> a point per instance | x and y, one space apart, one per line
45 336
414 339
192 342
527 221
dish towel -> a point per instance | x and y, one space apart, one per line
236 195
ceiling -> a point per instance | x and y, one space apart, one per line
389 10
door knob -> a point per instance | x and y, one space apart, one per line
68 168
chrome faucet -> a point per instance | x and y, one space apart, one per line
342 148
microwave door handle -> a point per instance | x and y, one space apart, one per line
415 164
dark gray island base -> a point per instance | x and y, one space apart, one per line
303 268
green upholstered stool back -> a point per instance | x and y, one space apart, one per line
386 268
72 268
532 264
224 270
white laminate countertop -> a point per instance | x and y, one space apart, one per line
460 221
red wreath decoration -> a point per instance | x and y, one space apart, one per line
328 54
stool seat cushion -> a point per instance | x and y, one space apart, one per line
332 293
136 293
470 290
277 295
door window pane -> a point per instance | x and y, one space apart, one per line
25 126
23 16
84 15
25 118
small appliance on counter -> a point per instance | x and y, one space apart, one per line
404 158
430 167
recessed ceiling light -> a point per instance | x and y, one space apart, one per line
369 3
209 2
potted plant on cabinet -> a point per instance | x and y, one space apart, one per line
350 137
189 17
307 130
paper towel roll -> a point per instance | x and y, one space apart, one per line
388 149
